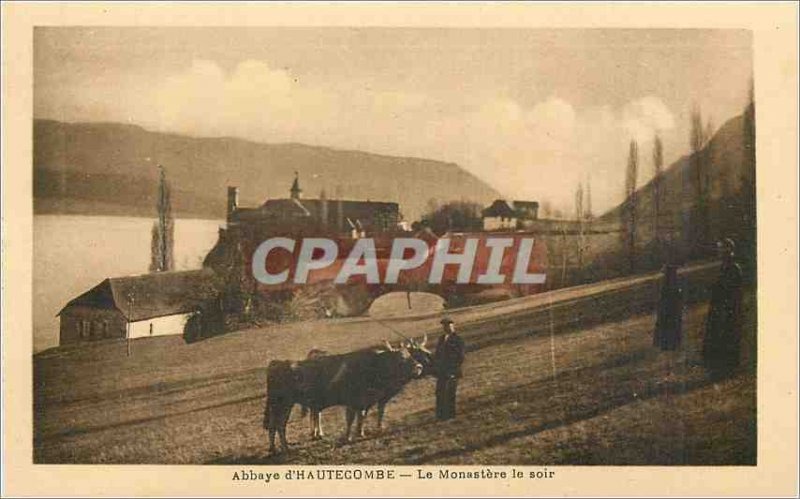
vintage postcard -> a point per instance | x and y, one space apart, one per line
388 250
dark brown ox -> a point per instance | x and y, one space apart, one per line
357 380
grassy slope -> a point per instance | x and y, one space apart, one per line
614 400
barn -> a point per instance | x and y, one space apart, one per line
156 304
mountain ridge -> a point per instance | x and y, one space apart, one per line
78 165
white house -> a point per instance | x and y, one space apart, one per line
499 216
141 306
502 215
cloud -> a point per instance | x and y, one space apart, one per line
540 151
644 117
544 151
259 102
553 116
204 99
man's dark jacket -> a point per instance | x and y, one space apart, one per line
448 356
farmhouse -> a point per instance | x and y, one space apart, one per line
146 305
502 215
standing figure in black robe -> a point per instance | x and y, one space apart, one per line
723 334
447 360
668 331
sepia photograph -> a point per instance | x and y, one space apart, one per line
479 249
163 158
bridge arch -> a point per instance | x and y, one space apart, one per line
398 303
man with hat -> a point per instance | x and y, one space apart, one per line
723 335
447 362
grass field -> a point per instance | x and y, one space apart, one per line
568 385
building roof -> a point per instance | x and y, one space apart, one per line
147 296
333 212
499 208
311 205
285 206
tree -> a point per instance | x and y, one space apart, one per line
454 215
579 213
746 195
547 210
579 216
163 234
658 168
629 206
699 160
708 132
749 124
587 216
588 205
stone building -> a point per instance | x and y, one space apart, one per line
321 215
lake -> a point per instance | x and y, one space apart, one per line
73 253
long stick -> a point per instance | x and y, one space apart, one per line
390 328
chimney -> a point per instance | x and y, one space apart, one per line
233 200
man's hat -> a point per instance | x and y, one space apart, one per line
727 243
446 320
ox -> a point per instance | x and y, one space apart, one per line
356 380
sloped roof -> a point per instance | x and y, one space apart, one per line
499 208
147 296
314 205
285 206
334 210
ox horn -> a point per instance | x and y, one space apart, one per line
388 345
425 340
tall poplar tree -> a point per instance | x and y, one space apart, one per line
629 213
163 233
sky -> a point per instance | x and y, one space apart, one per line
531 112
